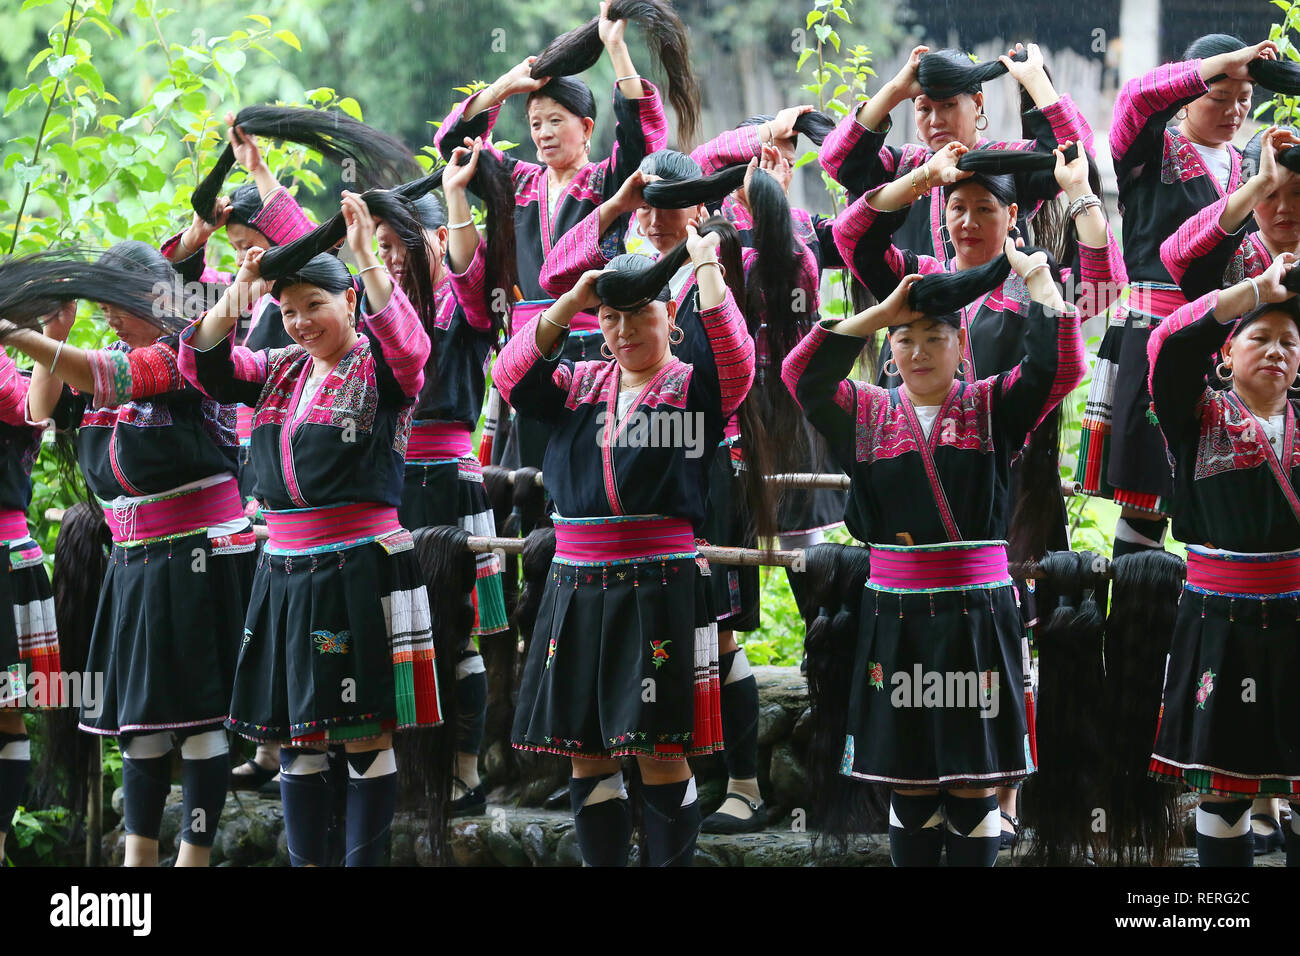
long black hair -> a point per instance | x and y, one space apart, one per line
946 73
34 285
669 44
1061 798
813 124
377 158
1276 76
1142 811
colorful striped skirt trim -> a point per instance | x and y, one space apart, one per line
931 569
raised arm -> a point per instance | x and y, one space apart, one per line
1145 106
724 323
1199 252
863 235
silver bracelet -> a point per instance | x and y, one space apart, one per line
1254 285
368 268
461 225
634 76
547 318
1041 265
1083 204
57 352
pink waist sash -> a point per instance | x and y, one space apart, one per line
430 440
1159 301
622 540
939 567
243 424
1243 575
332 527
175 514
13 526
523 311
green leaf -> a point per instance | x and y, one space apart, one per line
806 158
803 57
117 225
322 94
59 68
835 41
37 59
67 157
351 107
232 61
17 97
287 36
91 76
814 16
842 15
33 4
258 18
26 174
1284 4
822 31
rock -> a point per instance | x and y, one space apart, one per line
246 839
118 800
774 724
503 845
533 841
802 733
495 766
782 685
113 848
706 857
711 794
169 834
423 850
402 841
282 849
789 778
468 846
567 852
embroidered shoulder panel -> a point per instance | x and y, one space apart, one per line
671 387
589 382
884 432
1181 161
348 398
1231 440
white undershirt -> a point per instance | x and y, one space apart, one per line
927 414
1217 161
1273 427
309 390
625 400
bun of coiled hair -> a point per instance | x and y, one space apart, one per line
1250 156
701 190
378 157
813 124
669 44
944 74
1276 76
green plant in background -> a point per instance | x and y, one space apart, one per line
38 837
1284 110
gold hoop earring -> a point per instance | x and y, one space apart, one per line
681 335
1294 387
605 350
977 122
1223 372
888 362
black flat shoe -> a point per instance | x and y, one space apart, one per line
253 780
1275 839
471 803
1009 839
719 822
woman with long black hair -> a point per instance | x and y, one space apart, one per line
1237 484
939 598
558 191
1166 174
337 643
623 659
945 89
161 457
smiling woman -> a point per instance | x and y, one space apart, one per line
331 420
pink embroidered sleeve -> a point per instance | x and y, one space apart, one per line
733 351
636 140
13 392
208 274
839 143
402 339
1068 123
281 219
1062 369
1196 237
1145 96
578 250
738 145
853 226
795 367
519 360
225 372
468 287
122 376
1102 276
1187 315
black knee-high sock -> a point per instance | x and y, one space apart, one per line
915 829
145 785
670 828
372 800
15 765
973 837
203 793
1223 836
1150 528
471 711
739 705
604 827
308 799
1293 838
